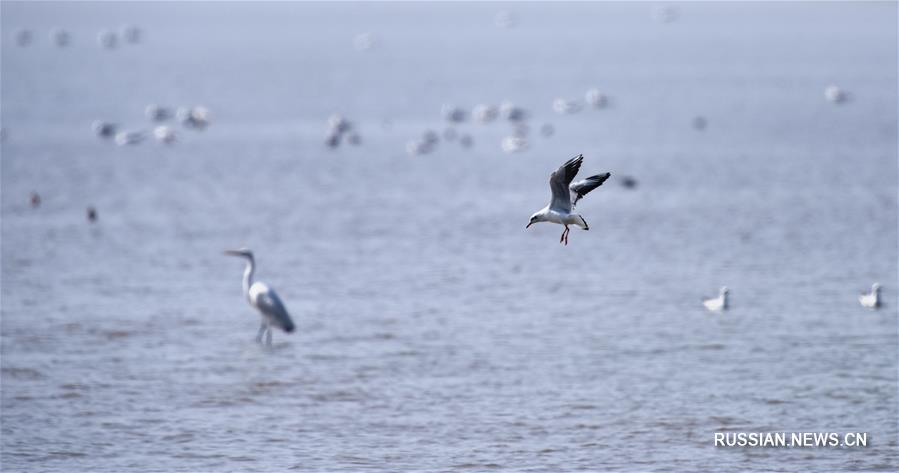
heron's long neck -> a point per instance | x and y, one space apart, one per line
248 275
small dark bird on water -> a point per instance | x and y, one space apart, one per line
628 182
35 200
91 214
104 129
699 123
332 140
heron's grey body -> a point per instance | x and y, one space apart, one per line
263 298
565 195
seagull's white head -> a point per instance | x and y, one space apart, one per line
875 287
724 290
241 252
537 217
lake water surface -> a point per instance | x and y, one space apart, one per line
434 332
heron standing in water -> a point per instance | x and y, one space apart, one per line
264 299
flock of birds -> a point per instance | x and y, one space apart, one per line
106 38
869 300
191 118
194 118
516 116
565 192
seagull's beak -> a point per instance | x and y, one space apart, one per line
528 225
232 253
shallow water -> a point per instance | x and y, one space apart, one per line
434 332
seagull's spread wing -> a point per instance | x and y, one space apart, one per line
268 302
559 181
581 188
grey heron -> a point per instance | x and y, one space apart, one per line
263 298
565 195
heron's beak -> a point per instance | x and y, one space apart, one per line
232 253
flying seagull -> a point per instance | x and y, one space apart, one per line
565 195
871 300
263 298
717 304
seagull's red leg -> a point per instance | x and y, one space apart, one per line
562 238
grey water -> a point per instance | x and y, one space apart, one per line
434 332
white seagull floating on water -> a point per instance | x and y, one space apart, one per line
565 195
717 304
123 138
484 113
835 94
263 298
595 98
164 134
871 300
